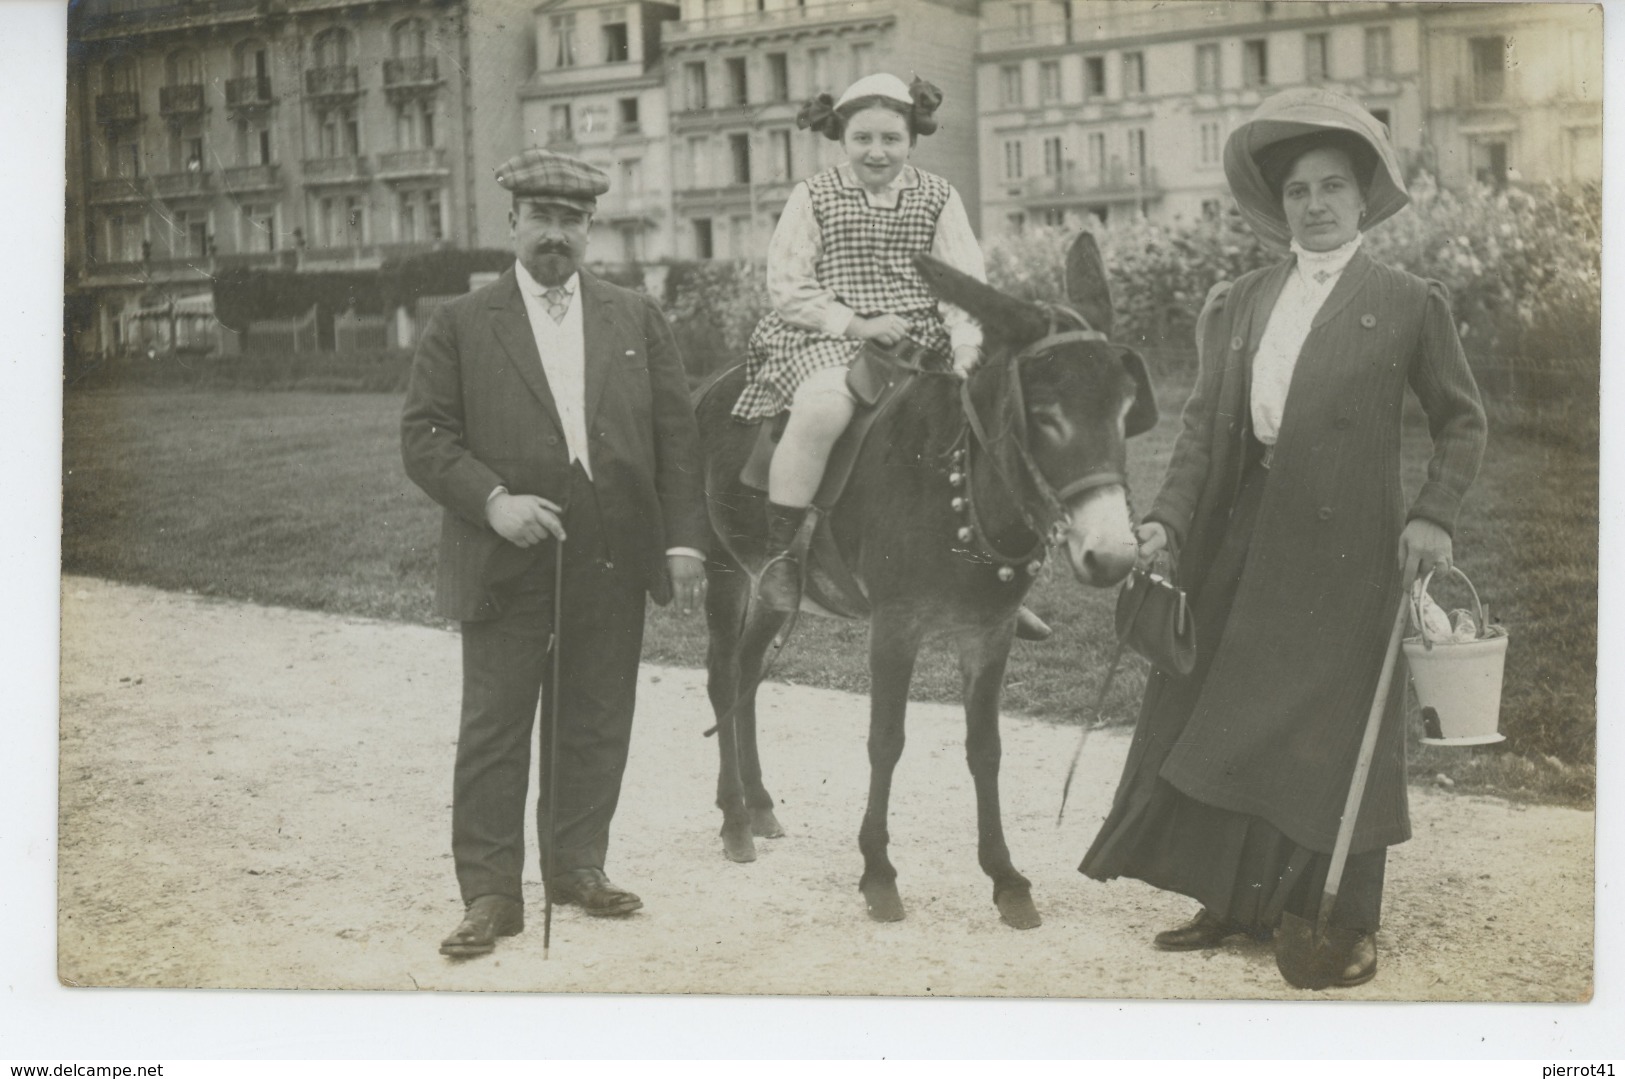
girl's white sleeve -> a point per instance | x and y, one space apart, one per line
955 244
792 262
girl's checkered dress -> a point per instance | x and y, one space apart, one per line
868 262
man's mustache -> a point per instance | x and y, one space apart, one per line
553 249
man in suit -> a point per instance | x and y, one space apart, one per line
549 408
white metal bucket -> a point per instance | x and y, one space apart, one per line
1458 684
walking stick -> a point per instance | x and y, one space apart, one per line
550 739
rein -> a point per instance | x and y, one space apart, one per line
976 441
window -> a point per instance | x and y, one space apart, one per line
694 95
126 236
1052 156
703 248
593 119
1209 142
190 239
418 217
1010 85
1012 159
253 143
258 233
1315 58
1016 222
186 147
617 40
333 48
1049 81
1022 13
778 77
738 87
559 127
699 162
1054 217
1097 153
863 60
1207 67
740 232
338 133
1489 161
1255 63
341 222
564 39
119 76
818 71
184 68
1133 73
1379 50
1094 76
414 125
1489 68
123 156
1136 151
409 39
628 111
739 155
780 161
631 176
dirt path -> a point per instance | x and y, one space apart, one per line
256 797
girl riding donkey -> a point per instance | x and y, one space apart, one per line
840 274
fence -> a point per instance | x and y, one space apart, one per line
360 333
282 335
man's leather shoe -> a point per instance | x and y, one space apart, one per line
1206 930
1362 963
589 889
486 919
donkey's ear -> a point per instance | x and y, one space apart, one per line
1086 288
1015 321
1142 414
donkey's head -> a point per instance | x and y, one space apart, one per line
1058 399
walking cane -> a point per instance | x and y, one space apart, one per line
550 738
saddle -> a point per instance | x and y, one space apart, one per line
876 377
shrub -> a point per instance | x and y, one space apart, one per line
713 307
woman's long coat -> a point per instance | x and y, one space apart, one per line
1278 722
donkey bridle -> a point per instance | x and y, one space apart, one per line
1054 499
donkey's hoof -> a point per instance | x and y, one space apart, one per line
765 824
1017 910
737 843
885 904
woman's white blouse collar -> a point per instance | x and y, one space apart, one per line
1319 267
907 177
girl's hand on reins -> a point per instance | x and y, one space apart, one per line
885 330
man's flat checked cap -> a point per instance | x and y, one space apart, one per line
543 174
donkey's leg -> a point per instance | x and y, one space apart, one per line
894 641
727 592
758 802
982 657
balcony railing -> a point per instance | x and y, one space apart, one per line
252 178
430 161
119 108
407 72
1166 18
175 184
790 16
335 170
185 99
1103 183
332 81
249 91
259 260
118 189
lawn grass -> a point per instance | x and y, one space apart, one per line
298 499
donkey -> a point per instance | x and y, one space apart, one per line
956 495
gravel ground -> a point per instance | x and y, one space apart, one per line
257 797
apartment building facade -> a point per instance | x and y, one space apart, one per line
738 71
1121 107
258 133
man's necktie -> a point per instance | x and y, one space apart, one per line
557 301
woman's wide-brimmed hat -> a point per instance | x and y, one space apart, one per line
1290 115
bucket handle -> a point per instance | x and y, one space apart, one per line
1419 588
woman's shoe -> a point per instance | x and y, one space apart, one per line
1206 930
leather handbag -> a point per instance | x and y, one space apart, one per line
1154 618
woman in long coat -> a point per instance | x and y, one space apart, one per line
1283 501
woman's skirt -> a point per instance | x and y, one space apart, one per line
1239 866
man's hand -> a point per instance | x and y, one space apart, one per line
882 329
1424 547
524 520
687 580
